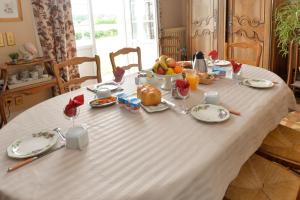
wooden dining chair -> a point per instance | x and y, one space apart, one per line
261 179
126 51
170 46
231 55
64 85
282 145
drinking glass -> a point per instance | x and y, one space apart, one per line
183 94
193 79
72 118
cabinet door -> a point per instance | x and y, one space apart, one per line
250 21
206 25
202 25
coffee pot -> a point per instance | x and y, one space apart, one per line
199 64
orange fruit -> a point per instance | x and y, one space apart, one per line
178 69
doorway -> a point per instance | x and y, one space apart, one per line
104 26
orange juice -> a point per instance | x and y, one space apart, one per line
193 80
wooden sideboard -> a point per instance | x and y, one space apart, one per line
26 89
212 23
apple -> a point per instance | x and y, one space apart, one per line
160 71
171 62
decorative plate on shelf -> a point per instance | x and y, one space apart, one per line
258 83
210 113
32 145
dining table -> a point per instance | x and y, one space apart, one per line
145 156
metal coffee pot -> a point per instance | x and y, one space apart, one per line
199 64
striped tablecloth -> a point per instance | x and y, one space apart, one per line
159 156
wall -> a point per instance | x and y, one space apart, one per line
24 32
172 13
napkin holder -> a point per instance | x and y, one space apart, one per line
77 138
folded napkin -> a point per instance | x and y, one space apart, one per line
118 73
236 66
213 54
71 108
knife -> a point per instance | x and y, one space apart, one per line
29 160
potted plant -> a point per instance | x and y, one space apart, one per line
287 19
14 57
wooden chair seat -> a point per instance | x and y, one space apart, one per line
230 53
261 179
282 145
292 120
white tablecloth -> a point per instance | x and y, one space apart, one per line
159 156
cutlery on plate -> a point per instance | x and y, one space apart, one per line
232 111
29 160
58 130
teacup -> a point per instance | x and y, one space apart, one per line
24 74
13 78
212 97
34 74
103 93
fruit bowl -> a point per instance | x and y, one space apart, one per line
167 85
167 68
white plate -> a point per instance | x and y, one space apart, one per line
111 86
258 83
32 145
222 63
210 113
160 107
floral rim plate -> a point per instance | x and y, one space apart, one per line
160 107
32 145
258 83
222 63
210 113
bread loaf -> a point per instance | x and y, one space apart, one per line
149 95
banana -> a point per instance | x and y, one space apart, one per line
155 66
162 61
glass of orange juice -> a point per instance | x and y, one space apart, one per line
193 79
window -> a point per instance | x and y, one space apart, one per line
103 26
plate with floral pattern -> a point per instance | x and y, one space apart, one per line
32 145
258 83
210 113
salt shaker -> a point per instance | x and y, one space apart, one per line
77 138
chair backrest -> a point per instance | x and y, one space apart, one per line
170 46
230 55
63 84
125 51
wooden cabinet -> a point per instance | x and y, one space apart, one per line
202 19
250 21
211 23
27 89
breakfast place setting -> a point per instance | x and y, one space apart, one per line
173 113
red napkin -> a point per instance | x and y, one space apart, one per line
70 109
235 66
119 73
213 54
183 86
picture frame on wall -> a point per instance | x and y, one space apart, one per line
11 10
1 40
10 38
